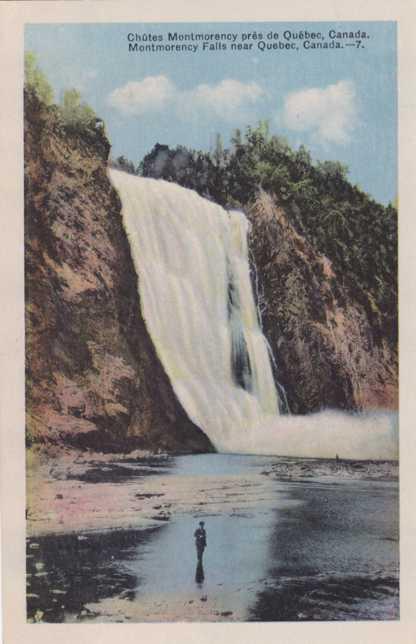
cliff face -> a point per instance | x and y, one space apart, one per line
322 340
93 377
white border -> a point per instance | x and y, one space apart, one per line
13 15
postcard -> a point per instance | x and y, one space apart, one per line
201 384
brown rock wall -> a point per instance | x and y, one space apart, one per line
93 376
321 338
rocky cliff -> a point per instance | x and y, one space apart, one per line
325 348
93 377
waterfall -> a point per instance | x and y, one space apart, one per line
197 301
191 258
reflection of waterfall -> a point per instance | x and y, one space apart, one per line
191 257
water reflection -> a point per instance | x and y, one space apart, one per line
199 573
333 557
65 572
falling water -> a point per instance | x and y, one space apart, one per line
196 295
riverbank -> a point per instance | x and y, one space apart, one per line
110 538
89 491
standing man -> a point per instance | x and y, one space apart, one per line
200 540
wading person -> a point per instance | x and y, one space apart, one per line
200 540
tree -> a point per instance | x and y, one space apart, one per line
76 114
218 155
264 129
35 80
237 139
125 165
333 169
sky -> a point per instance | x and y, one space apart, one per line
341 103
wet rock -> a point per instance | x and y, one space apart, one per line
161 517
85 612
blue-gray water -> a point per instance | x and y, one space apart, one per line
319 547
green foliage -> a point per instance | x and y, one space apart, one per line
75 113
218 156
121 163
36 81
357 234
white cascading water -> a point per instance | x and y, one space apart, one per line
196 297
191 257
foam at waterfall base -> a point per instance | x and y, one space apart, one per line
357 436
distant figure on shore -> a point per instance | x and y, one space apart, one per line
337 458
200 540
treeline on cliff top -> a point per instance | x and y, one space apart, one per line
341 221
73 113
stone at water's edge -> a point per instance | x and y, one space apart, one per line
324 344
93 377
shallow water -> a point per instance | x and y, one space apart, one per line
321 547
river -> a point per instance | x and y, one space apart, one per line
288 539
